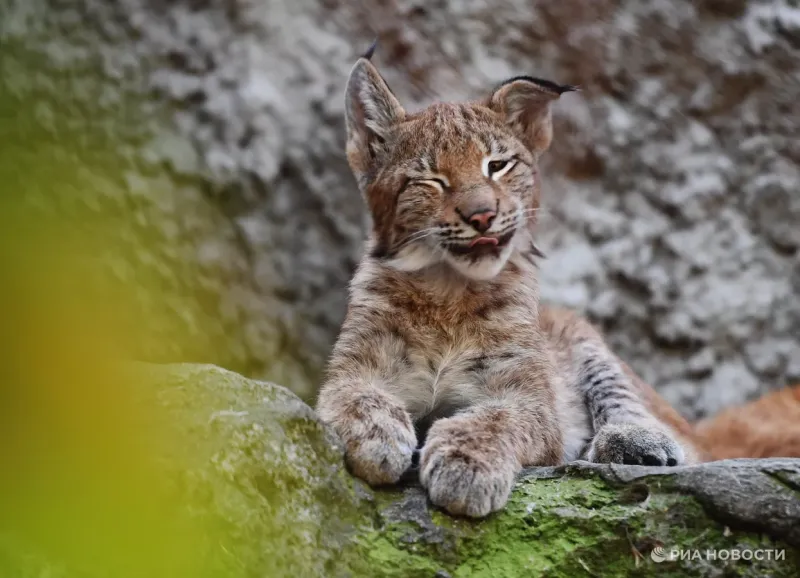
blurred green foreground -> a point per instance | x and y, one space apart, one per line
82 474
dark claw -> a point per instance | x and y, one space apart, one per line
651 460
630 460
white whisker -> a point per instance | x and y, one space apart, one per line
528 214
418 236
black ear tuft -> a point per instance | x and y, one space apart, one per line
371 50
568 88
525 103
542 83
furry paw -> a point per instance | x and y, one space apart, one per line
465 479
379 440
634 444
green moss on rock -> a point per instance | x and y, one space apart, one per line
566 522
262 486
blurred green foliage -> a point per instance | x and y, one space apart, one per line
80 482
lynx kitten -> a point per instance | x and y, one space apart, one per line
445 346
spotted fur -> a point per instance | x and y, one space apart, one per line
444 347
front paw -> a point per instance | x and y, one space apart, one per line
464 478
379 439
635 444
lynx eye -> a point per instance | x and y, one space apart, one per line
497 168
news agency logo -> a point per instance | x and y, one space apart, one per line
660 554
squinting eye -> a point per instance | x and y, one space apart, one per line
433 182
496 166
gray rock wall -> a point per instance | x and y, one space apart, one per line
671 195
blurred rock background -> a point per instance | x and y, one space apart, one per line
217 157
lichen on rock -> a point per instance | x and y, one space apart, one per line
269 472
585 519
264 488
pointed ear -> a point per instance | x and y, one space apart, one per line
370 111
524 101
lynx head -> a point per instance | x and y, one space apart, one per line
455 185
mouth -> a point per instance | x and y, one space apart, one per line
484 246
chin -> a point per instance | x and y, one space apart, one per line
476 264
480 267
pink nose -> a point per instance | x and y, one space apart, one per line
481 220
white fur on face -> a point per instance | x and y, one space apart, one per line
487 267
498 174
481 269
423 254
419 256
415 257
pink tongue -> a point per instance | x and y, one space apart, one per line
483 241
